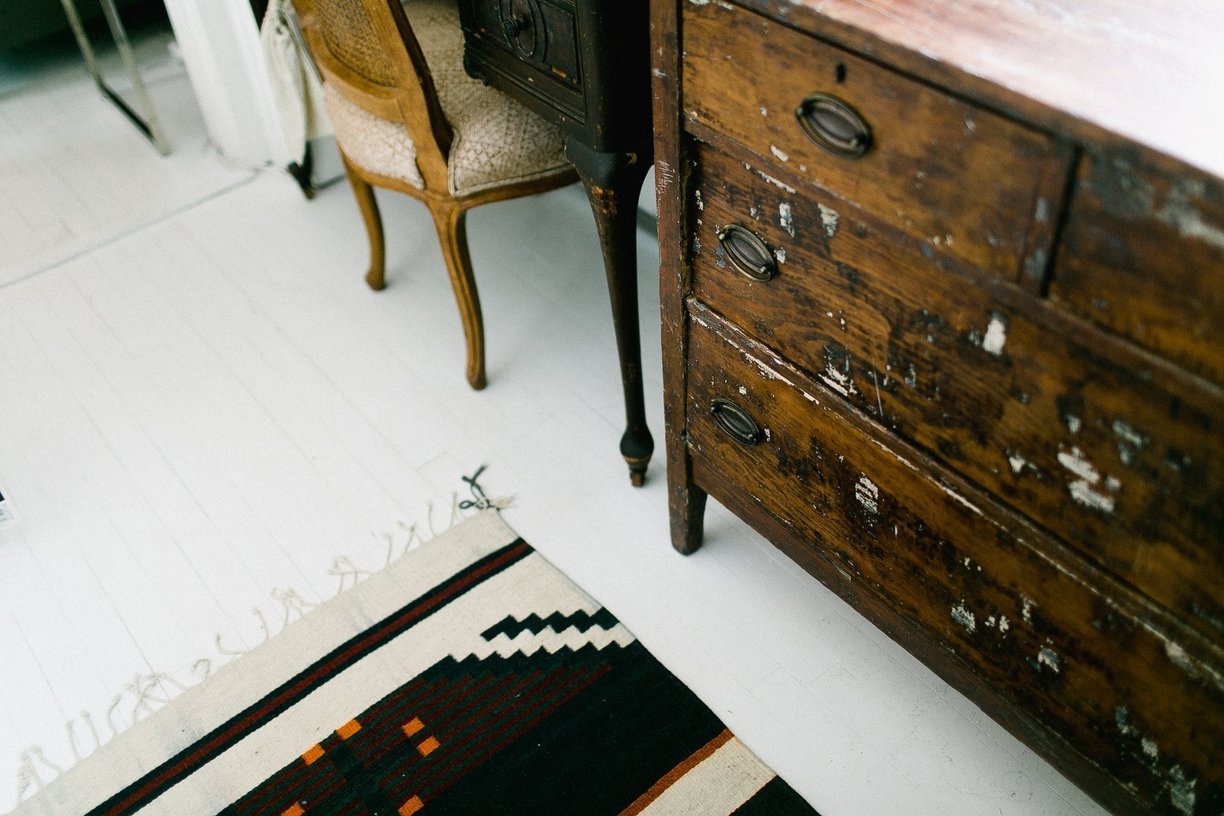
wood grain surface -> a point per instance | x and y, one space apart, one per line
1039 631
943 170
1118 453
1149 73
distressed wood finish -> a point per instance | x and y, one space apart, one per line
957 176
1142 255
1038 629
945 358
1006 449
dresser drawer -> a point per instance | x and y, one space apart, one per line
1094 440
1143 255
1032 628
962 179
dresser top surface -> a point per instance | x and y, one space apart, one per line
1150 72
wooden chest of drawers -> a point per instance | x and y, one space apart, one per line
959 353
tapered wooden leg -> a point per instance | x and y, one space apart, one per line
451 223
364 193
686 512
613 182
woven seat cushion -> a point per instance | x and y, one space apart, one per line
496 140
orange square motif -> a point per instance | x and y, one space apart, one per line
411 806
413 726
293 810
348 729
311 756
428 746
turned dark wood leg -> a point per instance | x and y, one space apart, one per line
687 515
613 182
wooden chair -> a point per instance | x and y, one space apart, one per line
407 118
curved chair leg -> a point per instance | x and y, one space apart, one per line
451 223
364 193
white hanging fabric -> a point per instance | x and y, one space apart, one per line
296 84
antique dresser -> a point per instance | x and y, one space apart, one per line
943 318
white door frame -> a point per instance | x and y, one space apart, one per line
219 43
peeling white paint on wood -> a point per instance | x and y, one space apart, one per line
1082 489
964 617
1004 624
1181 790
1077 464
786 218
783 185
1026 608
961 499
996 335
1082 492
780 254
698 201
1128 434
867 494
1016 461
665 176
839 382
829 219
1048 657
1042 213
1130 441
1073 423
1186 219
781 156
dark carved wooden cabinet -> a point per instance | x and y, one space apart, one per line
960 353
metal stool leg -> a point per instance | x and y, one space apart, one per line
146 123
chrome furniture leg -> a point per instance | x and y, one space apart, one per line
147 122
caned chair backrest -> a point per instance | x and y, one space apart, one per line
367 51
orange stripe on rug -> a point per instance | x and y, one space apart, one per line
696 758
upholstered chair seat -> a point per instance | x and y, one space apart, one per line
496 140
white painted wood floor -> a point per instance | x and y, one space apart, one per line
202 406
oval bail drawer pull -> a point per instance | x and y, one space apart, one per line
735 422
748 253
834 126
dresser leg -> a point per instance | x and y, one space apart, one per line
687 514
613 182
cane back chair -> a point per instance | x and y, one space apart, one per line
407 118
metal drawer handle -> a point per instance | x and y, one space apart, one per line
834 126
748 253
513 26
735 422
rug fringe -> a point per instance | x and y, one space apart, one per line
147 692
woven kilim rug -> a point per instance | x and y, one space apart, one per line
468 677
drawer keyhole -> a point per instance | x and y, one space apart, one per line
735 422
834 126
748 253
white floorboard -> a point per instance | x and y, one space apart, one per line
75 171
202 406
